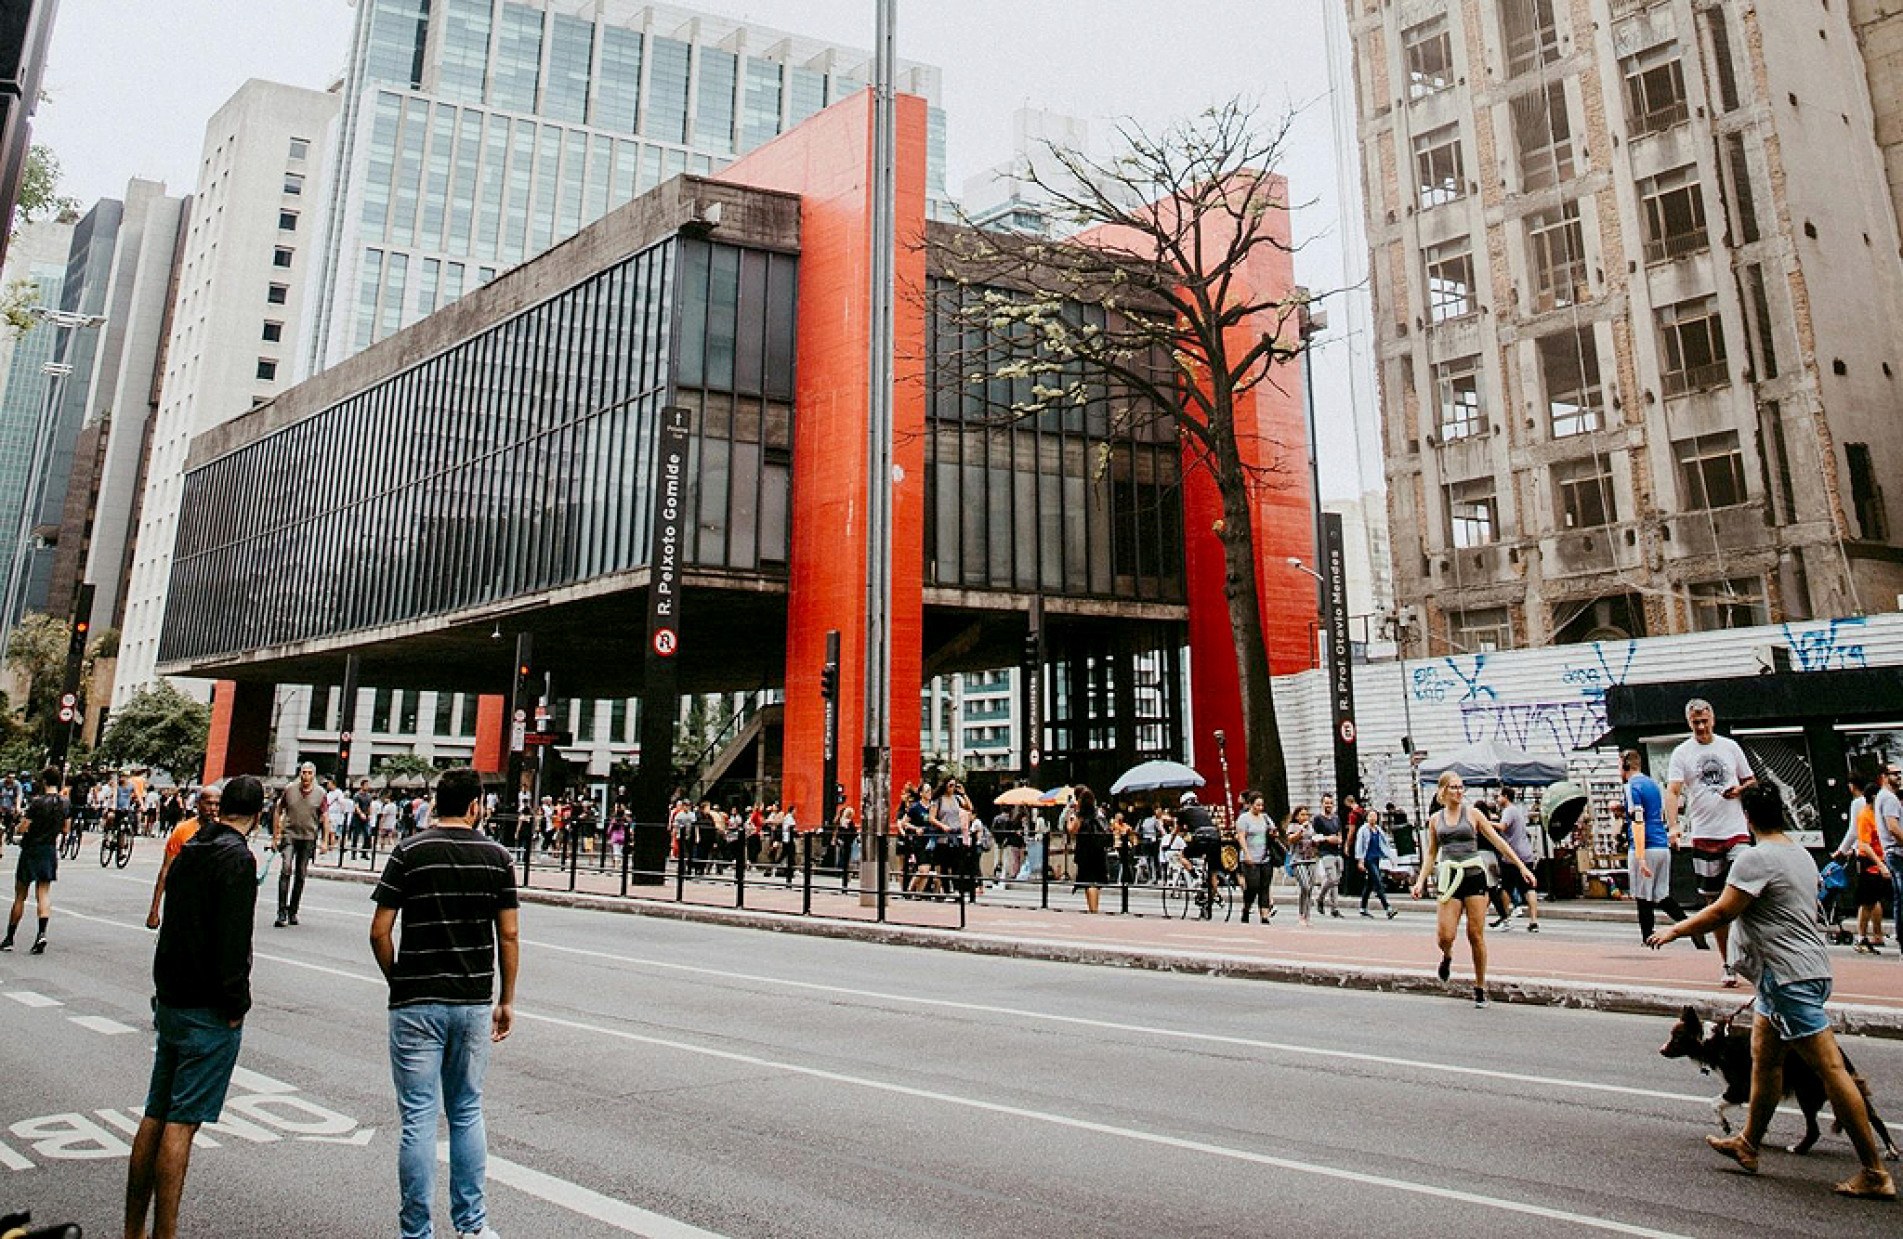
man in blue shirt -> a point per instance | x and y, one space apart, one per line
1651 850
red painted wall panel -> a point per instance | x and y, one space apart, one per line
492 712
828 162
240 730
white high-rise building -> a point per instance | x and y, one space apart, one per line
234 318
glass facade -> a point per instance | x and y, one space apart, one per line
571 48
464 68
398 30
735 370
518 59
529 452
540 119
1084 500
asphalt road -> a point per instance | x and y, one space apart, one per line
667 1076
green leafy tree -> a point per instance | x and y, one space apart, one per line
161 728
37 651
396 766
40 197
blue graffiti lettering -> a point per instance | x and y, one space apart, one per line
1561 725
1827 648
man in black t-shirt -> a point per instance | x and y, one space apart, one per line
454 889
1329 838
46 821
1205 844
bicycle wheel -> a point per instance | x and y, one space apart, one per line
105 849
1175 898
1226 897
123 852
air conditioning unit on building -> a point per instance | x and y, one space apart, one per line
1770 659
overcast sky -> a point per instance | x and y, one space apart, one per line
132 84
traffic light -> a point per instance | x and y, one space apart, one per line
829 682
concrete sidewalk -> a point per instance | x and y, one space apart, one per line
1396 956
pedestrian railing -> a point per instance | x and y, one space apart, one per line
806 877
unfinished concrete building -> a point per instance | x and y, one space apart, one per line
1637 281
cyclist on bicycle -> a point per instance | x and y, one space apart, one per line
1205 844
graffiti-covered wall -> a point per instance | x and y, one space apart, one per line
1550 700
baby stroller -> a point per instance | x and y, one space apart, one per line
1836 897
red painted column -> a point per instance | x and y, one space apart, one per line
240 730
492 712
828 161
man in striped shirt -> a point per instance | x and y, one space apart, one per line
455 892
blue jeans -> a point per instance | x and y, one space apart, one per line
438 1053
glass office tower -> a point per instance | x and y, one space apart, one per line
475 134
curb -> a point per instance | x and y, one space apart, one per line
1849 1019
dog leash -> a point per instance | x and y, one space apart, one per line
1725 1021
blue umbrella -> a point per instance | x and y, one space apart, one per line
1153 776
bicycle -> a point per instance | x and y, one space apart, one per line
69 841
115 843
1186 885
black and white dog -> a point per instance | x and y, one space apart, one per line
1726 1050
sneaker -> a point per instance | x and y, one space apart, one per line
487 1232
1393 912
1729 980
1498 922
7 943
1335 913
1480 998
1369 915
281 922
1864 948
39 947
1446 968
1532 927
293 918
1519 910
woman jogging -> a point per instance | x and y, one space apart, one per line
1460 875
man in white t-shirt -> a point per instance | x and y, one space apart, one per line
1706 775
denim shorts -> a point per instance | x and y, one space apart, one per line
192 1066
1795 1008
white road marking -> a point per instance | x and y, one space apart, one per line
1279 1047
100 1024
27 998
1059 1120
589 1204
1125 1133
127 1121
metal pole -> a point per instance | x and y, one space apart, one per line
1313 325
884 841
878 666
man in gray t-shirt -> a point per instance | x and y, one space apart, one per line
1771 892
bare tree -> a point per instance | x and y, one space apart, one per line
1153 302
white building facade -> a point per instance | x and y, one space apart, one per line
234 319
